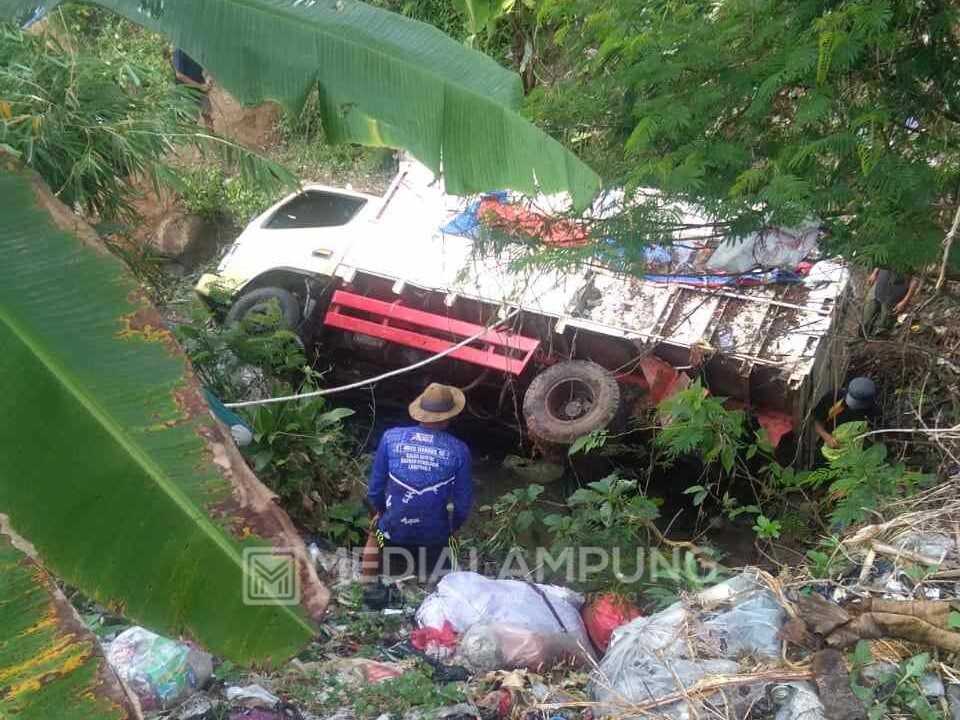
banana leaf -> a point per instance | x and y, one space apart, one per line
384 80
111 463
51 665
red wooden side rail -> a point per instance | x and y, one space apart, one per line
497 349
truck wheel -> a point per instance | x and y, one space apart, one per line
569 400
257 310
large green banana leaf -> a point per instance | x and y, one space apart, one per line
110 462
384 79
50 664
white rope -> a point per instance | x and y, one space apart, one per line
378 378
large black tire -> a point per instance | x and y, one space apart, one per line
569 400
258 300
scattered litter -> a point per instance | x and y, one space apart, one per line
252 696
196 707
496 704
361 671
162 672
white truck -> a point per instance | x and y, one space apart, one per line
381 283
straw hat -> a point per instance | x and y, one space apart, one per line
438 403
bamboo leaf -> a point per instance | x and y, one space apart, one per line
384 80
112 465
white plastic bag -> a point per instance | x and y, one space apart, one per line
466 598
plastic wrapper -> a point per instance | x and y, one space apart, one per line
507 646
359 671
162 672
797 701
437 643
604 615
465 598
653 656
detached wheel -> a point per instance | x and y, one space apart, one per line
569 400
264 310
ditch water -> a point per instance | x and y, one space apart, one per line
501 463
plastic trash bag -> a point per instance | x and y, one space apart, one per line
162 672
508 646
775 248
465 598
604 615
653 656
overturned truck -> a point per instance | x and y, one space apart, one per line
390 281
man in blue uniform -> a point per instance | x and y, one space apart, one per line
419 470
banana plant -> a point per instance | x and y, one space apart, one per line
112 465
383 80
51 665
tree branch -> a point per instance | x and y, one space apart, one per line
947 245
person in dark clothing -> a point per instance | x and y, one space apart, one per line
188 71
888 295
851 404
417 472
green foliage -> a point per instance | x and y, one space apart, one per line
298 447
897 693
514 515
612 513
94 383
202 191
239 362
588 443
86 126
306 149
345 523
47 676
859 476
771 112
766 529
695 421
827 559
442 14
92 124
206 191
383 81
413 689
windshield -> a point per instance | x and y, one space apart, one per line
315 208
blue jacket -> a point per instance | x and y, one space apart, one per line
416 472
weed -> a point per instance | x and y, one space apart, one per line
697 422
345 524
207 192
413 689
298 448
898 692
514 515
